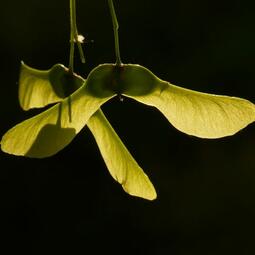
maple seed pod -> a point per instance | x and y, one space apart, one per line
63 82
137 80
129 79
100 81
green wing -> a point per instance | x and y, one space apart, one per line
49 132
118 160
39 88
199 114
120 163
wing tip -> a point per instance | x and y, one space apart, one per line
146 193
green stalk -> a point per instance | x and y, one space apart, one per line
115 30
76 34
72 32
74 37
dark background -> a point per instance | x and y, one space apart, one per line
206 188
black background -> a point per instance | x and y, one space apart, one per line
206 188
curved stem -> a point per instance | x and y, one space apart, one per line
72 32
74 37
115 30
82 56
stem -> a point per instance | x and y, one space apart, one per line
72 33
115 30
82 57
74 37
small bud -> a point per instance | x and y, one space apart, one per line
80 39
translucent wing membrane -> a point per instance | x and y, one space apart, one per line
49 132
199 114
119 161
39 88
